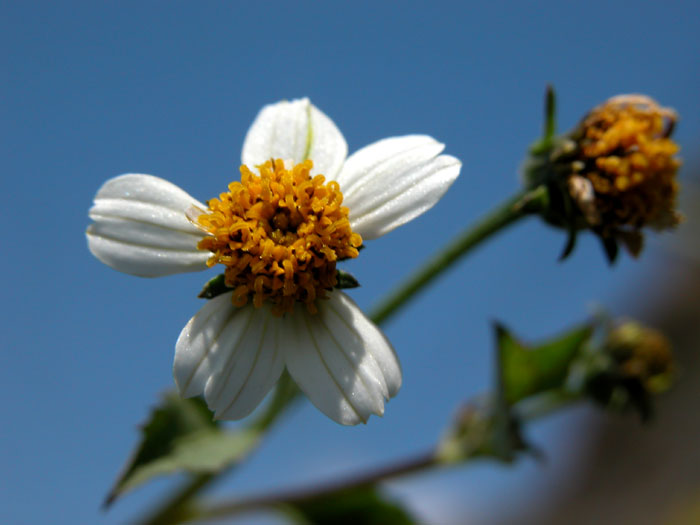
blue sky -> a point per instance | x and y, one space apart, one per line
94 89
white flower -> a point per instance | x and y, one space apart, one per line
284 314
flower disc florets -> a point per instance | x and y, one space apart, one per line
627 157
614 174
279 234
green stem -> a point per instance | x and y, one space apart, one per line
409 466
177 509
299 496
521 205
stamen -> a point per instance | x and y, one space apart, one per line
279 234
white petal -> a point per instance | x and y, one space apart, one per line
140 227
295 130
341 360
390 182
199 348
229 353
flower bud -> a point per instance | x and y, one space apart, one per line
635 363
642 353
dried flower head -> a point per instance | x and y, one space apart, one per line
614 174
625 176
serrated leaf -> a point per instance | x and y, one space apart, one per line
362 505
181 435
526 371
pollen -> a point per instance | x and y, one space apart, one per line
279 234
629 158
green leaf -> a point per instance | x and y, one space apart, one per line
363 505
526 371
181 435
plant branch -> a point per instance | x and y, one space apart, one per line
539 408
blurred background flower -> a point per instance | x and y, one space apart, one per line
93 90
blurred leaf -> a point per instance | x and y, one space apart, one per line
181 435
528 371
364 506
470 434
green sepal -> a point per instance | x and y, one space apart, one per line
346 280
526 371
550 123
217 285
618 393
214 287
572 236
364 505
611 248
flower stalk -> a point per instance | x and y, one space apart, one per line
412 465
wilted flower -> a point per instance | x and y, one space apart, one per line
614 174
299 208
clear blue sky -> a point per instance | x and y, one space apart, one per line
91 90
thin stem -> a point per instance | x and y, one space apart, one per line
297 496
513 209
409 466
176 508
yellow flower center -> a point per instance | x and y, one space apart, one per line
630 161
279 234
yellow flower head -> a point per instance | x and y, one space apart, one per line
279 235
